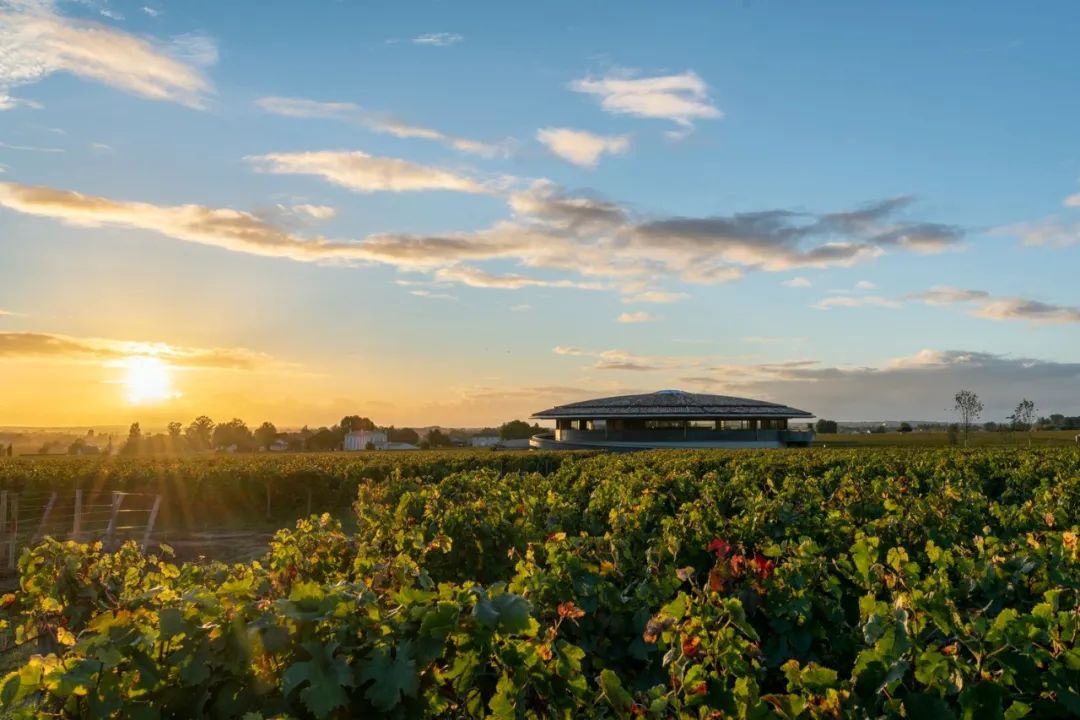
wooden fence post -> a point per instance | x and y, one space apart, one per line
118 498
76 524
44 519
14 529
150 522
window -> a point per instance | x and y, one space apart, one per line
734 424
598 424
664 424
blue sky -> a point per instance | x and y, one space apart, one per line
457 213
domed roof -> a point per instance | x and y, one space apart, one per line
672 404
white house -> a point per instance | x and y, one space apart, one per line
359 440
484 440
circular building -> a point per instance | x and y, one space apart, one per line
670 419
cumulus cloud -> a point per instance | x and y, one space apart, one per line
38 41
600 242
581 147
998 308
636 317
852 301
440 39
366 173
681 98
48 345
377 122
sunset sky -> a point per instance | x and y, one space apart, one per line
458 213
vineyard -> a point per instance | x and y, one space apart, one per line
791 584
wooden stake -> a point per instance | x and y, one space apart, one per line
150 522
14 530
44 519
76 524
118 498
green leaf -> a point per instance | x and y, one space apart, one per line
614 692
514 612
324 677
171 623
1017 710
391 679
927 707
503 703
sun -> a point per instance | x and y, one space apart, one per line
147 380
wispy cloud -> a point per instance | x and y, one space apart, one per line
1000 308
440 39
945 295
681 98
797 282
475 277
378 122
853 301
366 173
38 41
581 147
1049 232
31 148
636 317
49 345
319 212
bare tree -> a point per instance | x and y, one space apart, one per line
970 408
1023 418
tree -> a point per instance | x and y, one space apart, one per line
233 433
76 448
265 435
134 440
518 430
352 423
1023 417
436 438
324 439
199 433
826 427
905 427
970 408
402 435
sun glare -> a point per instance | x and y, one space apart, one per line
147 380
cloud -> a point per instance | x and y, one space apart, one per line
1050 232
376 122
431 295
524 307
597 242
945 295
1029 310
475 277
580 147
680 98
636 317
797 282
865 285
655 296
38 42
47 345
365 173
441 39
564 350
32 148
852 301
996 308
319 212
7 102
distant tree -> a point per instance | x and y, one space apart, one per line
235 432
878 429
76 448
952 434
905 427
200 433
991 426
265 435
322 440
826 427
1023 417
175 430
518 430
402 435
968 405
352 423
11 449
437 438
134 440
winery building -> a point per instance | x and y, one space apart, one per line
671 419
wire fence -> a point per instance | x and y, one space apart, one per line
85 516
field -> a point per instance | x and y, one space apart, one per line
868 582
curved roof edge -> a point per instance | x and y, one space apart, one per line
672 404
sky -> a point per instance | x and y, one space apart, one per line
460 213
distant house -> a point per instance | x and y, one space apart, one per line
519 444
481 441
360 439
279 445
